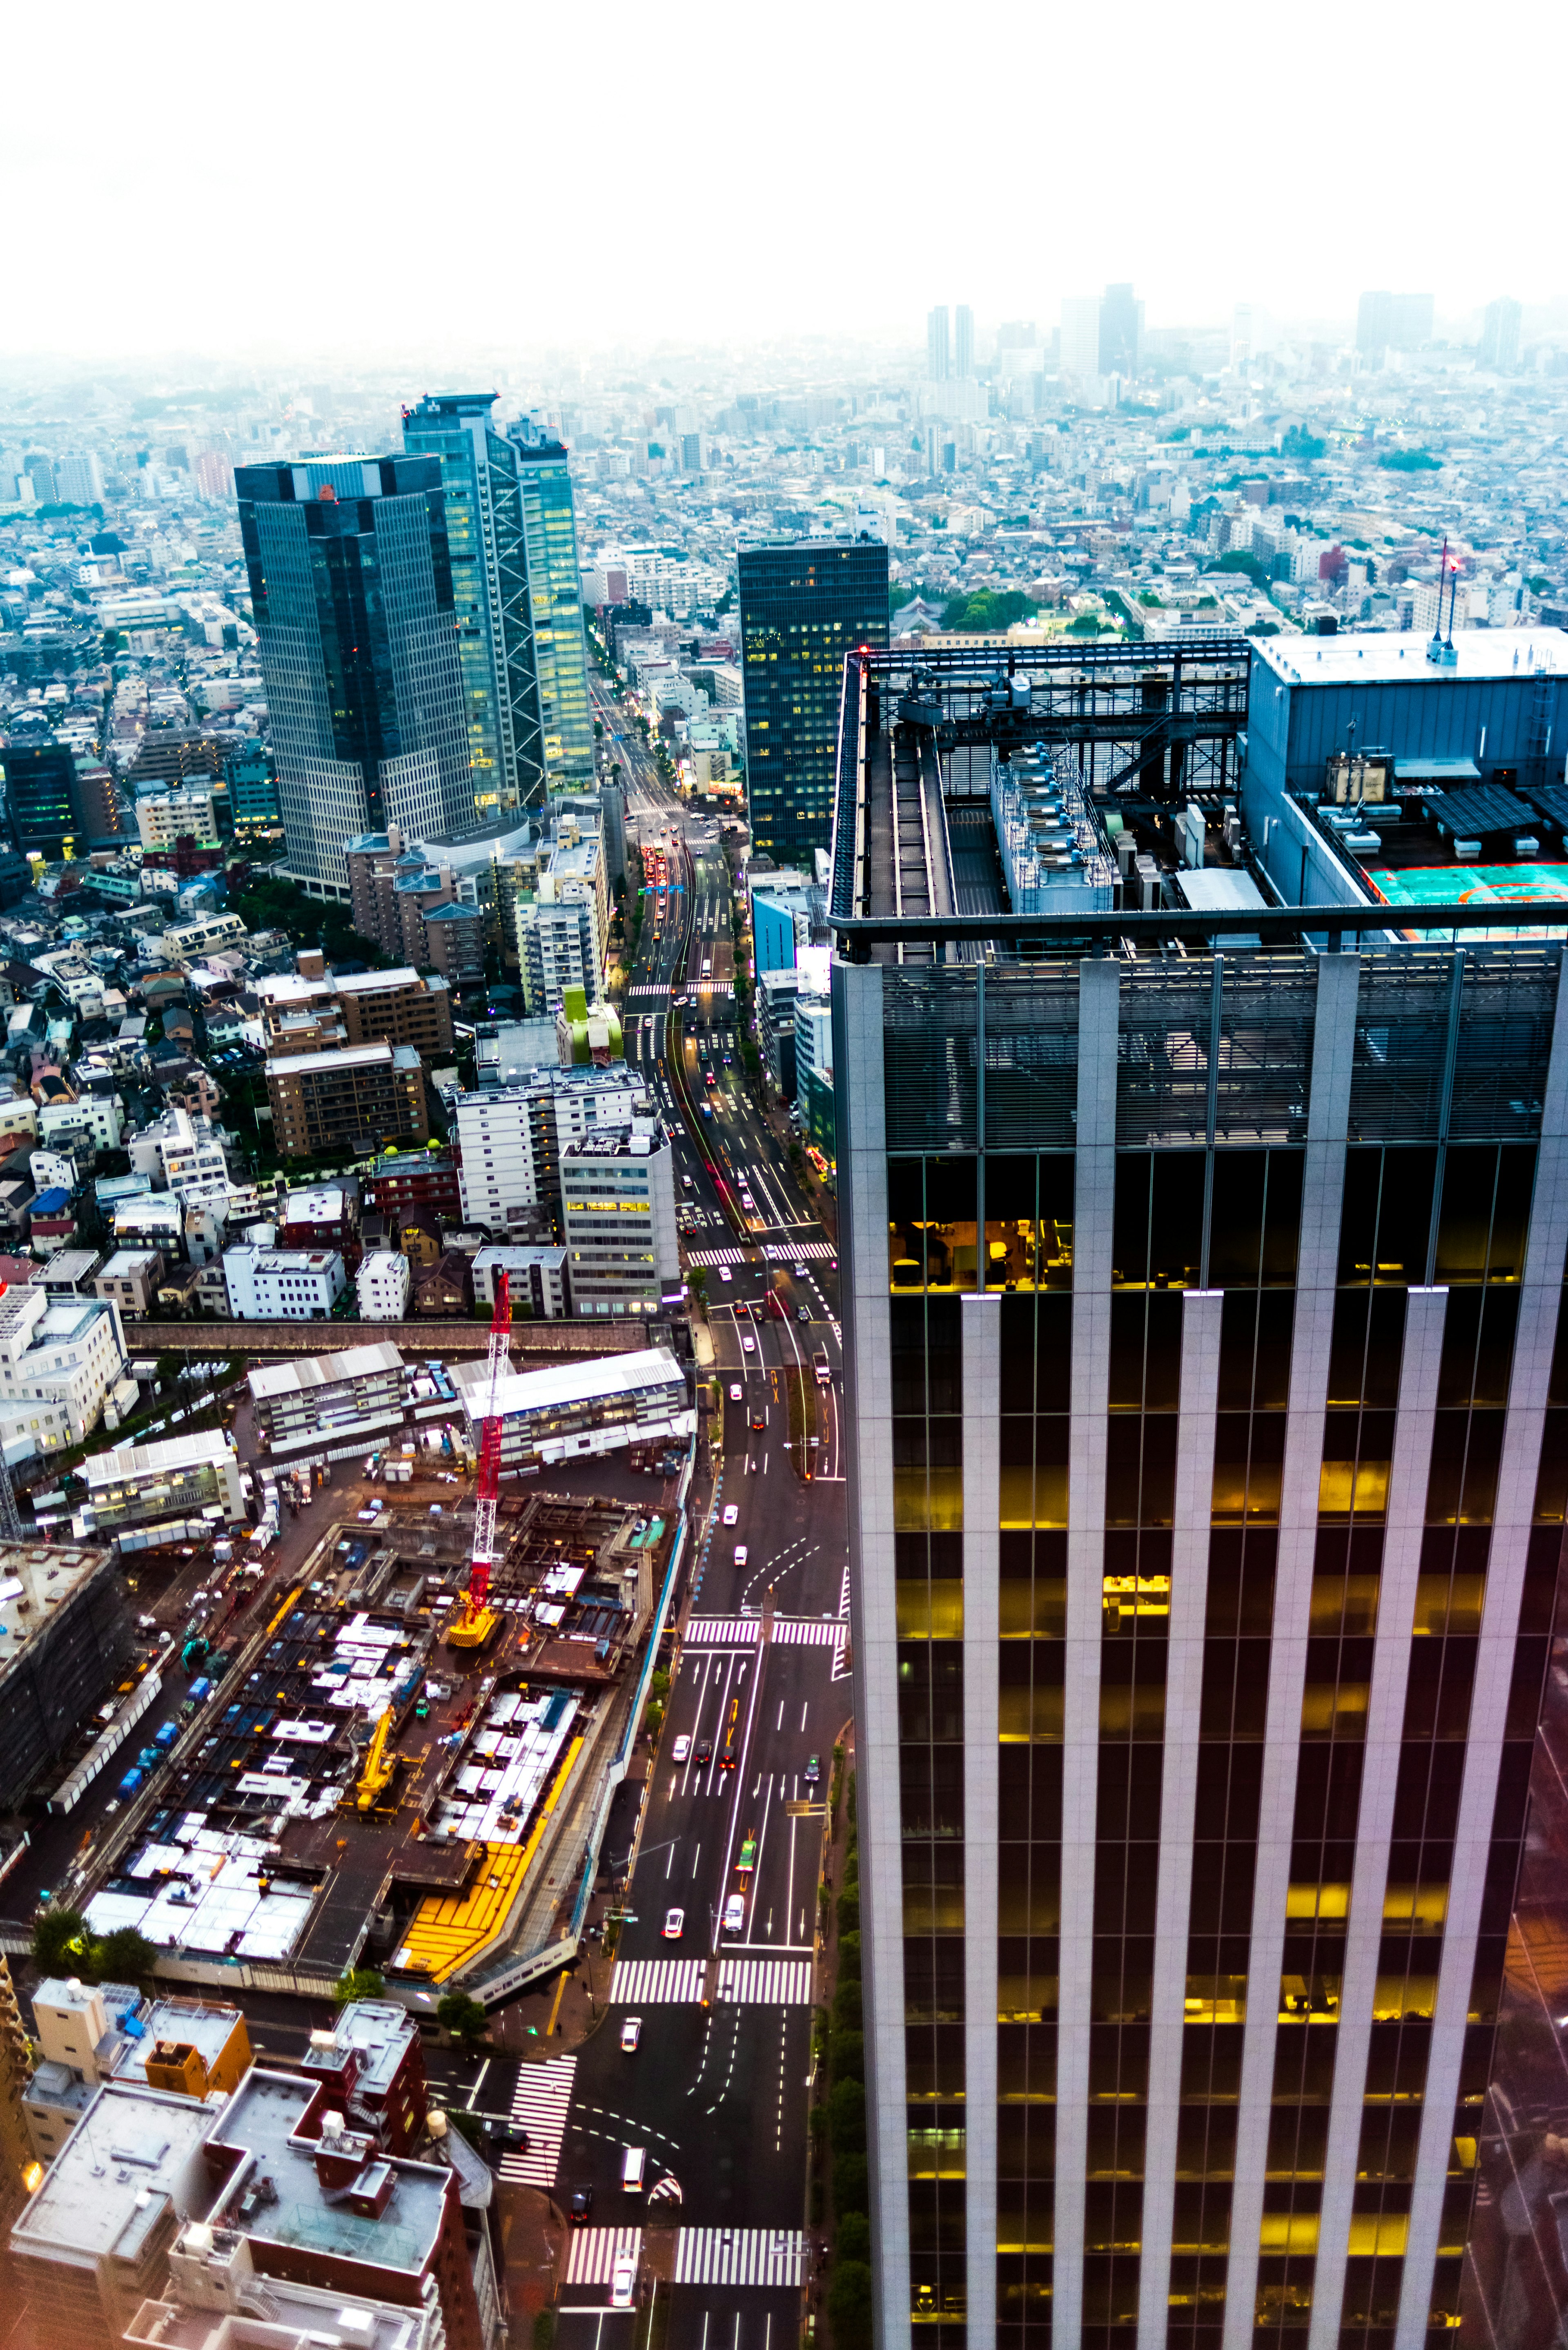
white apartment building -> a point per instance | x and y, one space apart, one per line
274 1284
184 1154
617 1205
161 819
98 1115
60 1358
184 941
558 946
381 1286
511 1138
537 1278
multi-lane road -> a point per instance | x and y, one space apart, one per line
716 2092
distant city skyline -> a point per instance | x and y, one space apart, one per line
254 270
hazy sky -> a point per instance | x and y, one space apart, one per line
313 177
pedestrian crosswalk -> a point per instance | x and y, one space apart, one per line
763 2256
808 1634
647 994
721 1632
593 2253
540 2103
803 1252
656 1983
844 1592
742 1631
765 1982
717 1256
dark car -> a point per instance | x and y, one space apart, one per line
582 2204
758 1420
704 1752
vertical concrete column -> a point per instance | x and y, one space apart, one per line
1323 1187
863 1255
981 1327
1408 1478
1539 1298
1094 1204
1201 1314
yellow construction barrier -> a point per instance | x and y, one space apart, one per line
449 1932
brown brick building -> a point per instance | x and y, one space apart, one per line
397 1007
329 1100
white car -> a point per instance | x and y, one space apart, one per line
732 1514
630 2032
735 1914
741 1554
725 1272
674 1925
623 2280
735 1391
799 1271
681 1749
748 1344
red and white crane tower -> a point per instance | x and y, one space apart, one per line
478 1620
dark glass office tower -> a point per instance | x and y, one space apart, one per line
42 797
352 587
1206 1504
802 609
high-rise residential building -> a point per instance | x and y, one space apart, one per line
351 585
963 340
802 609
939 352
1409 322
1499 334
1209 1413
1081 336
1121 332
79 480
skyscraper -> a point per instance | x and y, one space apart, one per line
556 593
938 362
803 607
352 587
1121 332
487 548
1206 1505
963 340
1499 334
1374 325
1081 336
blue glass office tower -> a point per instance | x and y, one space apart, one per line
802 609
512 542
352 592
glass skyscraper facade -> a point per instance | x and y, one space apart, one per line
561 649
1207 1487
351 587
803 607
511 535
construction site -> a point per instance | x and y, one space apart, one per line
407 1766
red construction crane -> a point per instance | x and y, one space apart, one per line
478 1620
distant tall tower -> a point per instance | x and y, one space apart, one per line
803 607
939 361
351 585
1374 326
1081 336
1499 334
963 340
1121 332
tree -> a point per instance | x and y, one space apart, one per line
123 1956
1410 461
846 2117
1241 558
463 2016
358 1982
60 1943
987 613
1298 442
849 2301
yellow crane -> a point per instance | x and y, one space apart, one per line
379 1766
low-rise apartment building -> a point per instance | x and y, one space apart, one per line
381 1286
617 1204
135 1484
537 1279
323 1101
274 1284
352 1394
68 1353
131 1277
